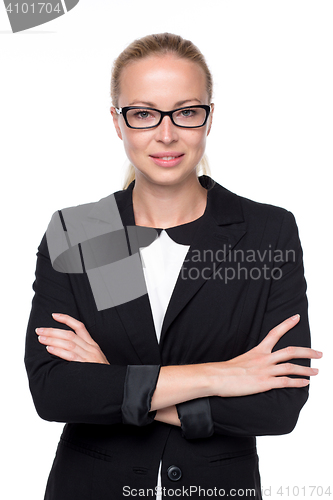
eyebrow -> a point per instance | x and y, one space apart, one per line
152 105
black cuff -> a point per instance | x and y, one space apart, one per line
139 387
196 418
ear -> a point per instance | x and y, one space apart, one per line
115 118
210 119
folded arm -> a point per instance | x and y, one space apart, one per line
63 387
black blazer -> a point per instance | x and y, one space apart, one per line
242 276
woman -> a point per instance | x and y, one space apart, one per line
167 383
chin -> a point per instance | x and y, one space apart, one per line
167 178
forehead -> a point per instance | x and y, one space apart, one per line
162 80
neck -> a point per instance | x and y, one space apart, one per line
166 206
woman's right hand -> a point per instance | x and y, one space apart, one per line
260 369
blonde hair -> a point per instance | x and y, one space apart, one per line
163 43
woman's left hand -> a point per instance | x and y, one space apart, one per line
70 345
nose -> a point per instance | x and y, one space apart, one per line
166 131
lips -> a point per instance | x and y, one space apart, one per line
167 158
167 154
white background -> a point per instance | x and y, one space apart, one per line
271 141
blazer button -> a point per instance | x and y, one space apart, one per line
174 473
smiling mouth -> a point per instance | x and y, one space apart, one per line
167 157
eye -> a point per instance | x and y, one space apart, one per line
136 117
190 117
142 114
183 114
188 113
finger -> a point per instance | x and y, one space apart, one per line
292 369
282 382
76 325
277 332
54 332
74 352
63 353
68 345
294 352
45 336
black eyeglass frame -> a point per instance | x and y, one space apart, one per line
123 111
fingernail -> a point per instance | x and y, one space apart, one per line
319 353
56 314
294 318
39 330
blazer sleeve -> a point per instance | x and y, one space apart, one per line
78 392
276 411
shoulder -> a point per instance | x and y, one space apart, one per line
264 211
272 219
91 209
265 223
104 209
231 207
72 225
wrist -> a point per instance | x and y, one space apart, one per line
213 373
180 383
168 415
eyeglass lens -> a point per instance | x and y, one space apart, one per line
189 117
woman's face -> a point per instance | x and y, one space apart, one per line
165 83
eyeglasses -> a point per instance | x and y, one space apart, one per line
142 118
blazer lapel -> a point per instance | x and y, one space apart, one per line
221 229
136 315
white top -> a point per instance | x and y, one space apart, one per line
162 261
